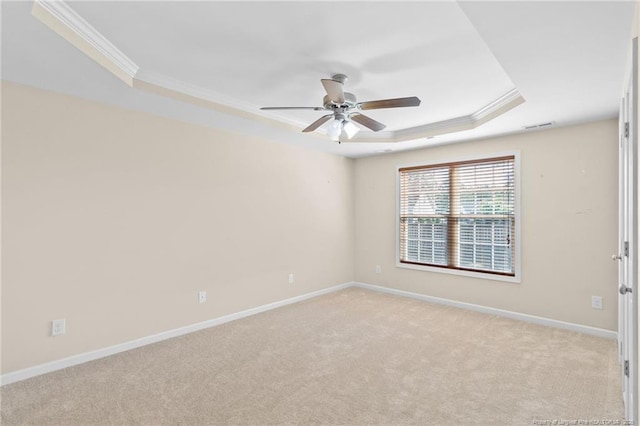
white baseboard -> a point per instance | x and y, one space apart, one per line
16 376
600 332
49 367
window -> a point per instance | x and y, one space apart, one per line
459 216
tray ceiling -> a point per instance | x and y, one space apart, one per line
472 64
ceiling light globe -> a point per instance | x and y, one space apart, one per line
334 129
350 129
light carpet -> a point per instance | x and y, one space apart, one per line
350 357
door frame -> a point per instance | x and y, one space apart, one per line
628 239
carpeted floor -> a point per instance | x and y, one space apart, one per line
350 357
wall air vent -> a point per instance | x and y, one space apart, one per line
537 126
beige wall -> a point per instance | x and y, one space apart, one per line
569 225
115 219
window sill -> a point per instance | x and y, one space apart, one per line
471 274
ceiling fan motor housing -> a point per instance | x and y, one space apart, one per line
349 102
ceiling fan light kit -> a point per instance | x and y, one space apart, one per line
334 129
344 108
341 127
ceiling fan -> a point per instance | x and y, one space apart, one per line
345 110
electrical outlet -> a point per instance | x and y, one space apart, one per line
58 327
378 269
596 302
291 279
202 297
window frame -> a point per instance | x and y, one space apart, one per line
516 278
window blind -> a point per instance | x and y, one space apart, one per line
459 215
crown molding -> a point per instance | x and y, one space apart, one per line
509 100
58 16
501 105
187 92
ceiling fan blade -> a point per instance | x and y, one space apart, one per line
334 90
319 122
276 108
390 103
368 122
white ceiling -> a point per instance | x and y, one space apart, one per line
566 59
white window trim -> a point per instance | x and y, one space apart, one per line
483 275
